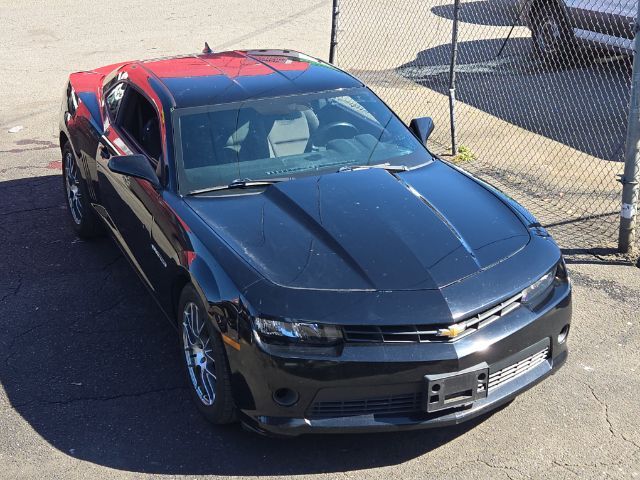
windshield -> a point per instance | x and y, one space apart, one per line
285 137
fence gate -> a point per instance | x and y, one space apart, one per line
541 116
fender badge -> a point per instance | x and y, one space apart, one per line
159 255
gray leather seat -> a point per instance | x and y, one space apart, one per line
269 137
291 135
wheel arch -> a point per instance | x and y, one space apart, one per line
63 139
181 280
203 280
536 6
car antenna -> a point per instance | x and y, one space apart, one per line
207 49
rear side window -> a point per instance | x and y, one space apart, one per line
139 121
114 99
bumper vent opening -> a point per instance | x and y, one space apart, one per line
390 405
512 372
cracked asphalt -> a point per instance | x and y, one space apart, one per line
90 380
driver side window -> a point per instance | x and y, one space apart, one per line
138 119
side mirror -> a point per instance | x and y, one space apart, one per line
137 166
422 127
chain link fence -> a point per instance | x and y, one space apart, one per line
540 115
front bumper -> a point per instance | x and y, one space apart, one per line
370 373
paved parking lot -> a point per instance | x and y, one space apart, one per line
90 384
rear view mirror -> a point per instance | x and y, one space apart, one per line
137 166
422 127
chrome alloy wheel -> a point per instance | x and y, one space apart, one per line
198 352
72 185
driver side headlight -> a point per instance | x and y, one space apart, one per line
280 332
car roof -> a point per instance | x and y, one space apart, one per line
239 75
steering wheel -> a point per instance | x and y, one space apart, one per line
332 131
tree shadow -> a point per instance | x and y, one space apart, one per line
582 103
94 368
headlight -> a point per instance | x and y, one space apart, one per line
286 333
538 289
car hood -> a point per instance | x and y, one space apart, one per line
367 229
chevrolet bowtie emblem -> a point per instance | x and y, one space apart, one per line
452 331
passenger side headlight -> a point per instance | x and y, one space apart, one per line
290 333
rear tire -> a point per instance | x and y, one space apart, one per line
205 360
83 217
552 36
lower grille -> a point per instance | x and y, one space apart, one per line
388 405
412 403
511 372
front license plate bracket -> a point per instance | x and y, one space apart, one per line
455 389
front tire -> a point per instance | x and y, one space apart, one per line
84 219
205 360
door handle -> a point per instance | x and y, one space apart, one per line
104 153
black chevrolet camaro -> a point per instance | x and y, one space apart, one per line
326 273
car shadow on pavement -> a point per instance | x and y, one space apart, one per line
94 368
482 12
582 104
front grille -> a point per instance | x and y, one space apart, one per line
426 333
402 404
391 333
492 314
511 372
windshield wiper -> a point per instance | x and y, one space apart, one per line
384 166
246 183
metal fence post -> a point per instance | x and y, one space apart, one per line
335 12
629 179
452 77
